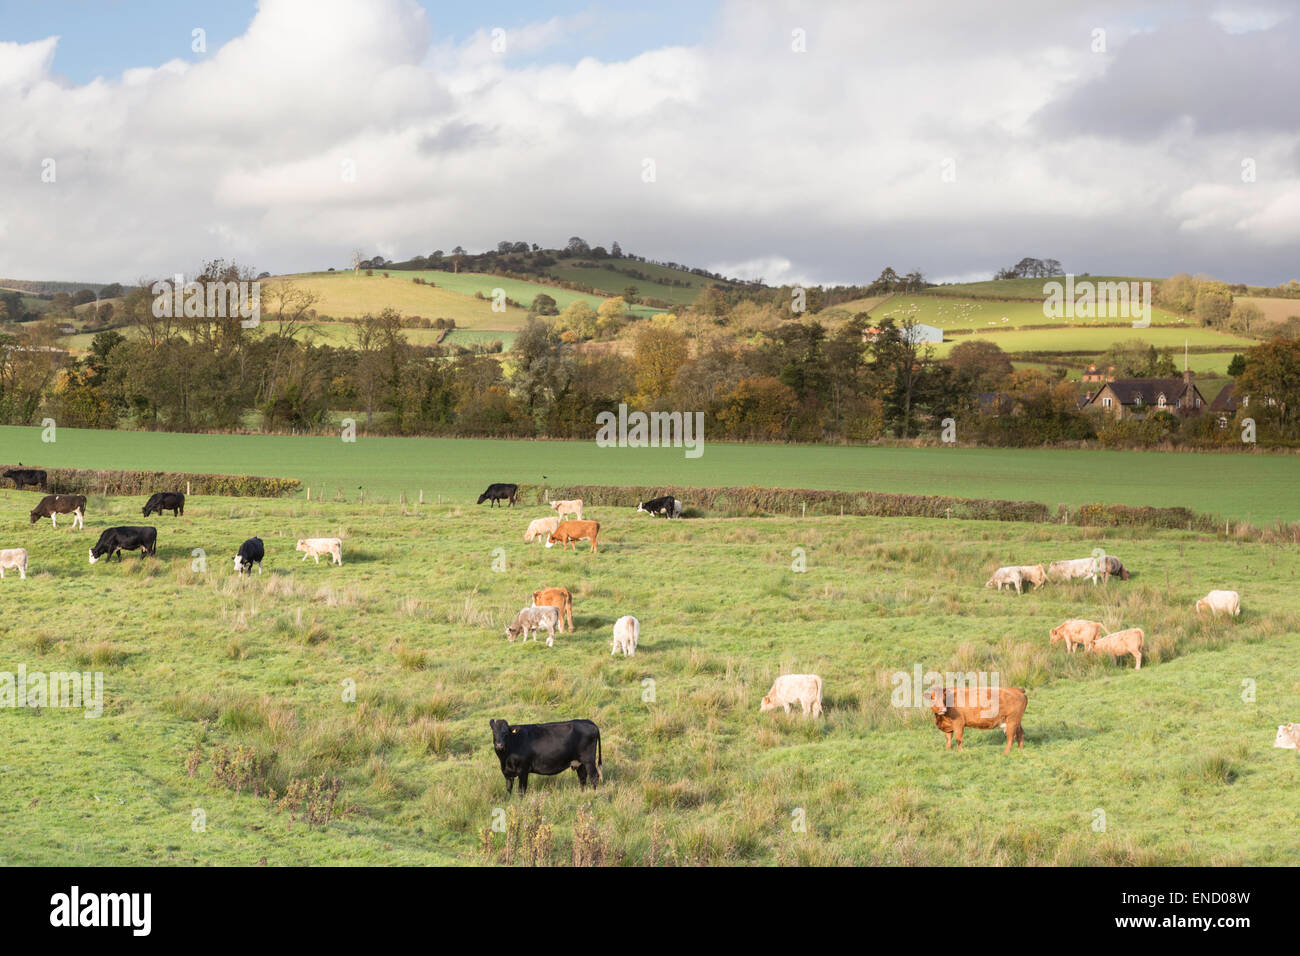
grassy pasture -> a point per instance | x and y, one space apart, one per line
195 660
1258 488
1275 310
1098 339
1019 288
613 283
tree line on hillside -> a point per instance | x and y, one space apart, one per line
755 369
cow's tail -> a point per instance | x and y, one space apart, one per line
599 772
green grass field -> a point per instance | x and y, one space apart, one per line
1256 488
977 315
613 283
217 690
1098 339
1018 288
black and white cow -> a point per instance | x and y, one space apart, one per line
161 501
251 552
125 538
26 476
499 492
547 749
52 506
667 505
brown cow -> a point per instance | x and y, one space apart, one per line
956 708
558 598
570 531
1119 643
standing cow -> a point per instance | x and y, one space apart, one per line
25 476
173 501
499 492
547 749
51 506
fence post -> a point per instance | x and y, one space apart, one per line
421 496
309 492
187 488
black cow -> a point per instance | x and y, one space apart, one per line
161 501
667 505
126 538
547 749
499 492
251 552
26 476
53 505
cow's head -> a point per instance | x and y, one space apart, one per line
145 511
766 704
481 498
1058 633
550 539
640 507
990 582
302 545
513 631
35 516
93 556
238 562
500 730
937 702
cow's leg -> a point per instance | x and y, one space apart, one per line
54 517
581 771
523 783
510 784
22 572
958 728
1137 656
948 736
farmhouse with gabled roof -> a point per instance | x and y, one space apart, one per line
1138 397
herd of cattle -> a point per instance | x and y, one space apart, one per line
551 748
143 538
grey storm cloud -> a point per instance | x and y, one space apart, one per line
1194 72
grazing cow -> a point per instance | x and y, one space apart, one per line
570 531
173 501
547 749
251 552
1079 568
1288 736
315 547
1115 568
667 505
1220 602
1119 643
804 689
1033 574
627 631
26 476
558 598
13 559
571 507
539 528
53 505
125 538
534 619
499 492
1009 576
1076 632
985 708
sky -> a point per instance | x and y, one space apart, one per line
812 142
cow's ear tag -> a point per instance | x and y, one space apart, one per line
514 730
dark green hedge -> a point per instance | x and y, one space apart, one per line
85 481
723 502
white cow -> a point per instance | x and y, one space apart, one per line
1288 736
12 558
315 547
1080 568
534 619
1220 602
804 689
627 631
571 507
540 528
1011 577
